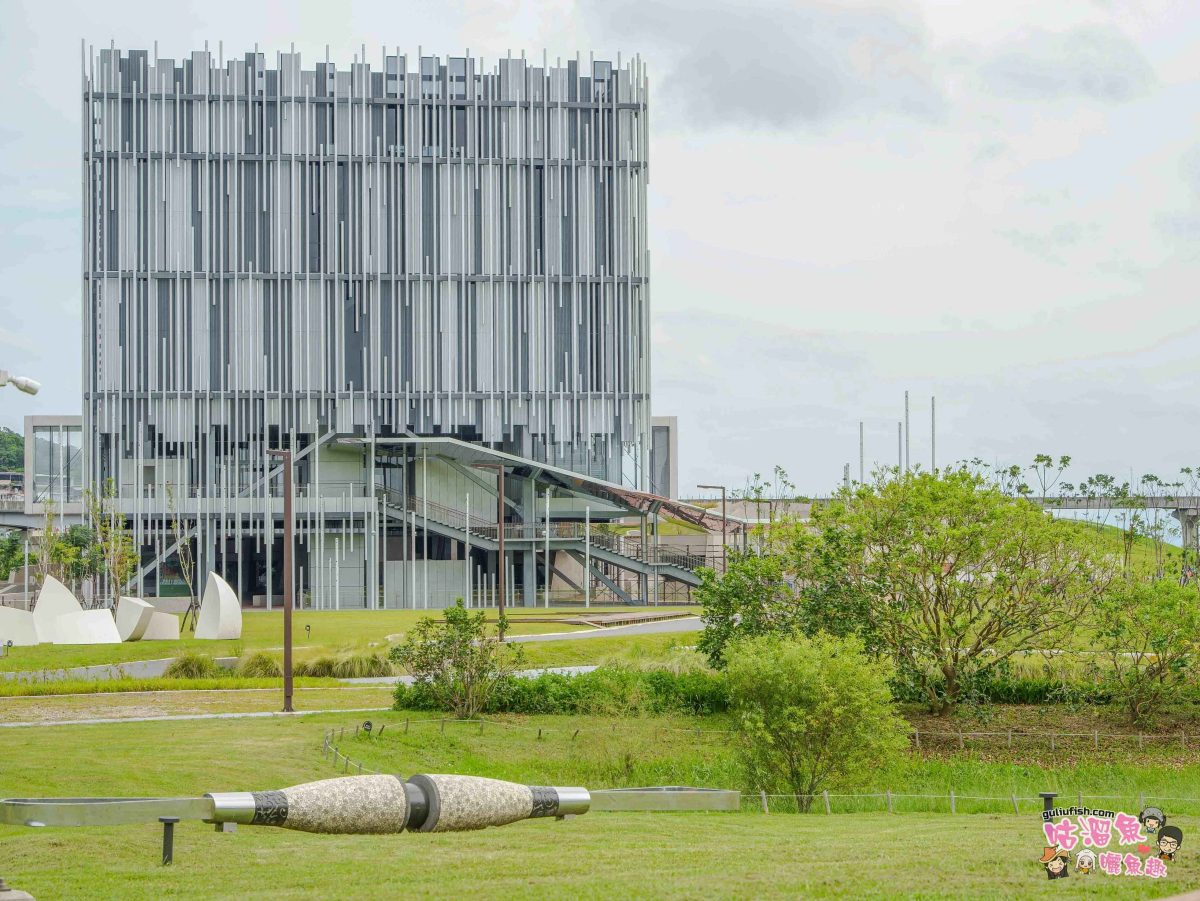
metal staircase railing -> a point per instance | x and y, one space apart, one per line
687 557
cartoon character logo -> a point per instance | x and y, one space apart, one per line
1055 860
1170 838
1152 818
1085 861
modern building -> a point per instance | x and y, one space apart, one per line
408 271
54 466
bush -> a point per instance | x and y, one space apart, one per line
1149 632
193 665
607 690
456 661
260 665
811 713
346 666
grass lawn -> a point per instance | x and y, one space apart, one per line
343 630
600 855
173 703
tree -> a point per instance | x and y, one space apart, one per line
963 577
456 661
811 713
183 553
12 553
12 450
1149 631
119 558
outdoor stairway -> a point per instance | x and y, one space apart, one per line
667 562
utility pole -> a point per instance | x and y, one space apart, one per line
932 433
906 433
724 521
288 603
500 580
862 457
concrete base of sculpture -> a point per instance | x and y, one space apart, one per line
133 616
18 627
162 627
220 611
86 627
53 601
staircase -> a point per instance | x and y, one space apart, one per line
677 564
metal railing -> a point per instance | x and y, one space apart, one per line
690 557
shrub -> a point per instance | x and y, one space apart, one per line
193 665
346 666
607 690
260 665
456 660
1149 632
811 713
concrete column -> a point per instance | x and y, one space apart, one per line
528 555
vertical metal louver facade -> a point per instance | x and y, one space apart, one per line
272 253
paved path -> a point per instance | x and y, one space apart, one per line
687 624
133 669
191 716
520 674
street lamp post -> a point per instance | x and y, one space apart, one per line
288 603
20 382
499 467
724 521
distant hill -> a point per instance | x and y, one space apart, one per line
12 450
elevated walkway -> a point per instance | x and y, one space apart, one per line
671 563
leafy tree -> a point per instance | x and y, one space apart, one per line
118 556
12 553
1149 631
456 661
961 576
811 713
12 450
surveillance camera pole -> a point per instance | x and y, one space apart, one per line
20 382
288 603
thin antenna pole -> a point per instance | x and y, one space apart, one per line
932 433
906 432
861 455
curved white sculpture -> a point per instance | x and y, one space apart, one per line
17 626
220 611
162 627
54 600
86 627
133 617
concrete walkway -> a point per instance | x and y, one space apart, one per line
190 716
133 669
687 624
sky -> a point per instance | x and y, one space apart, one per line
996 203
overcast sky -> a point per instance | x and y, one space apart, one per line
997 202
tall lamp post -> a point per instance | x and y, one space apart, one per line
724 520
288 604
503 563
20 382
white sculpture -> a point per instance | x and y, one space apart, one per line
220 611
17 626
162 627
86 627
133 616
54 600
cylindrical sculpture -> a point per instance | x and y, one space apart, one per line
385 804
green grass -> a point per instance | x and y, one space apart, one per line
332 632
127 705
14 689
594 651
747 855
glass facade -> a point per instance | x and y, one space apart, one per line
58 464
